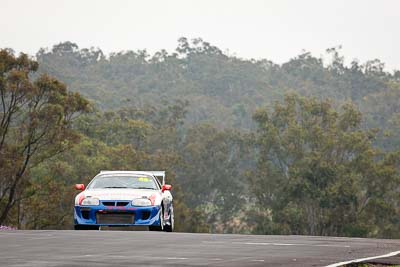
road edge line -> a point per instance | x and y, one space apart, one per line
391 254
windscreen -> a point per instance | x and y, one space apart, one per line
129 181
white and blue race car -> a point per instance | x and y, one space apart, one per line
125 198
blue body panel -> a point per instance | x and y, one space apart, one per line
143 216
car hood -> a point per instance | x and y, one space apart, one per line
119 193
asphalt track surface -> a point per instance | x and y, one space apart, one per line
140 248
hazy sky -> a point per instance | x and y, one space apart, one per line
277 30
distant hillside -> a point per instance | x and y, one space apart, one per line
221 89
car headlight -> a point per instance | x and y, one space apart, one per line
90 201
141 202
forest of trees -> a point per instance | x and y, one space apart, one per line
311 146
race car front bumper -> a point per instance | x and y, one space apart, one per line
106 215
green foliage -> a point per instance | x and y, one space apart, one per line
222 90
212 174
35 119
318 173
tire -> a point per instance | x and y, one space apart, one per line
169 227
85 227
161 226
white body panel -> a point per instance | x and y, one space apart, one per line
119 194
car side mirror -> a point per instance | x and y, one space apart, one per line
80 187
166 187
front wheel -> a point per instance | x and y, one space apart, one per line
169 227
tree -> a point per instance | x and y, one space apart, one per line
211 174
318 173
35 120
